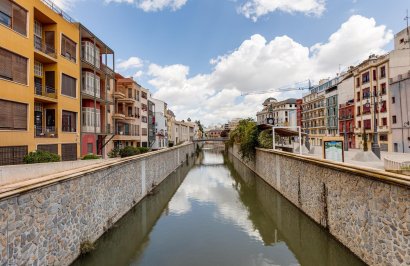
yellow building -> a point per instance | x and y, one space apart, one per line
39 80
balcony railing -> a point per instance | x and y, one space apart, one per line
46 91
45 132
45 48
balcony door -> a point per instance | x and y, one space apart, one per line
38 122
51 120
49 42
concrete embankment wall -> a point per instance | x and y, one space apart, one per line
367 211
44 223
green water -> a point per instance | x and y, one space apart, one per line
215 211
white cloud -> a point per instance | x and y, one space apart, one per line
254 9
130 64
153 5
66 5
258 65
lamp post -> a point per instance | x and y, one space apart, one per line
375 143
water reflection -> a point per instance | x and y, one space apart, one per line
222 214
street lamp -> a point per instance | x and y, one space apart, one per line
375 144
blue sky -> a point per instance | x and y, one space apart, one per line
174 41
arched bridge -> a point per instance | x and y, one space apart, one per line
211 139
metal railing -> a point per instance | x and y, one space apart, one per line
58 10
46 91
45 132
45 48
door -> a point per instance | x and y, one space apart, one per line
51 120
38 122
49 41
50 81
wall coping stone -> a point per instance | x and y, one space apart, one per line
11 190
387 177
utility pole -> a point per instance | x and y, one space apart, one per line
407 28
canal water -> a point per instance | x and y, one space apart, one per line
215 211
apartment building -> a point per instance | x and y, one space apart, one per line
347 108
313 113
144 116
332 108
127 118
161 125
97 88
278 113
400 112
151 123
40 80
299 111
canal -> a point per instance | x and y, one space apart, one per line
215 211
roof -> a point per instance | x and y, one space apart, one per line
283 132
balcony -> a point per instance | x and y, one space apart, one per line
45 132
45 48
118 116
91 129
45 91
119 95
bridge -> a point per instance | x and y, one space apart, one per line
211 139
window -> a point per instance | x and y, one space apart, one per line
357 82
394 118
68 48
384 137
383 72
144 95
90 148
90 53
374 74
144 119
366 93
359 124
38 69
358 96
366 77
12 154
384 121
384 107
13 115
393 99
69 86
69 122
88 84
367 124
145 132
383 88
13 16
13 67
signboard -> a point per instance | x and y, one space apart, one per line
333 149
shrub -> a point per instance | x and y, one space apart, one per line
86 247
113 153
265 139
143 149
129 151
41 157
171 144
90 157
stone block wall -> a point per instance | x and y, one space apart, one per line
367 211
45 224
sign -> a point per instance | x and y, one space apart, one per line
333 150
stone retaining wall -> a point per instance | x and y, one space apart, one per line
45 223
367 211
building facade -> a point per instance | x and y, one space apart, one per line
313 113
299 111
400 112
97 89
40 77
161 125
332 108
126 117
280 113
345 91
151 124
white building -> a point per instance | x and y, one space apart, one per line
281 113
161 125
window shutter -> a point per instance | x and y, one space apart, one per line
5 7
69 86
19 69
69 152
19 116
5 64
19 20
49 40
50 79
6 115
53 148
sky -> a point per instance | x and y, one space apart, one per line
207 58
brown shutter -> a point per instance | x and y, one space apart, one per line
6 64
19 116
53 148
6 115
19 69
68 86
49 40
5 7
50 79
19 20
69 152
12 154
